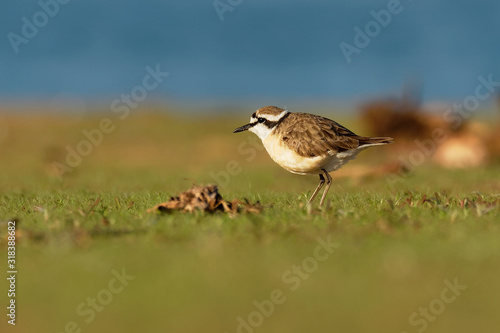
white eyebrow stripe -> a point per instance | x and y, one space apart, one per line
275 118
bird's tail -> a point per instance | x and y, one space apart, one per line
375 141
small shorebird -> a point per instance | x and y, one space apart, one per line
305 144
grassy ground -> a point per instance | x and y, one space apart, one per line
394 250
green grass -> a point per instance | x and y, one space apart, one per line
201 272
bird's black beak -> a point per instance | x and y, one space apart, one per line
243 128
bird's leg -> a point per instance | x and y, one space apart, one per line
320 185
328 184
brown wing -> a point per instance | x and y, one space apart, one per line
310 135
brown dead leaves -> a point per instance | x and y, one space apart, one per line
205 199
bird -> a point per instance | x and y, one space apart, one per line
307 144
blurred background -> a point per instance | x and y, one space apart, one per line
253 53
393 68
110 107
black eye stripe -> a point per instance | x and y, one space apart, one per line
266 122
270 124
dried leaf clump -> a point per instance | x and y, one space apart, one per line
205 199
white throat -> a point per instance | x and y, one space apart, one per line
261 130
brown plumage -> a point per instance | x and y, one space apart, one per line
310 135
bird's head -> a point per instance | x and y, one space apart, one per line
263 121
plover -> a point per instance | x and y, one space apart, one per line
305 144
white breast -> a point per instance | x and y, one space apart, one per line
293 162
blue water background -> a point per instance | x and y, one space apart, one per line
272 52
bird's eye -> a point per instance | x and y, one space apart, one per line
261 120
